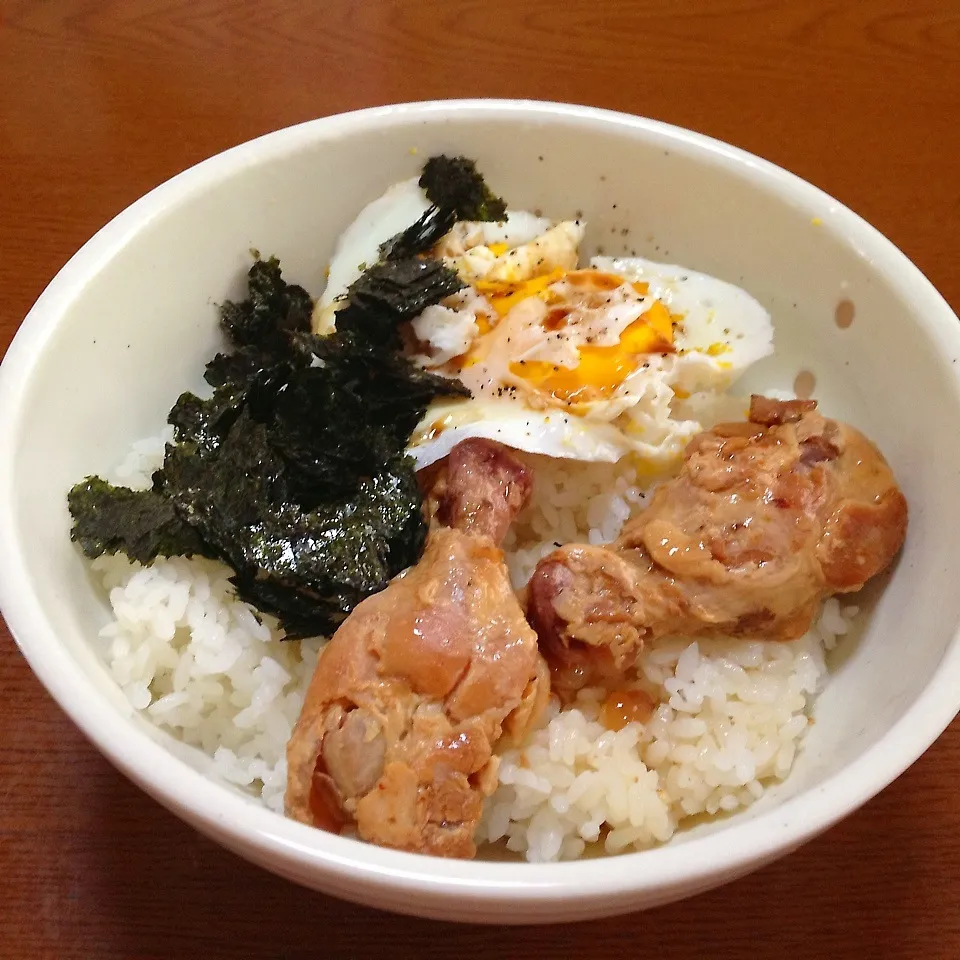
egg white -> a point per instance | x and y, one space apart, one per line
716 315
359 245
554 433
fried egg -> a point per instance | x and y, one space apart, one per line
622 358
626 357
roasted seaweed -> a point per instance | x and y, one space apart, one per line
346 551
387 294
421 236
272 309
348 417
456 191
291 471
142 523
453 183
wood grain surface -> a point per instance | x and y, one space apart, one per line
100 100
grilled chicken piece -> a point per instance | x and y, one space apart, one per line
397 730
765 519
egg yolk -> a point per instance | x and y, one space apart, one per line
504 297
602 369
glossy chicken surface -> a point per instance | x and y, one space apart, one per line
765 519
414 690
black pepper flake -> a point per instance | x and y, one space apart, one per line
556 544
614 206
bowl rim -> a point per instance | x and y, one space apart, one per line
241 823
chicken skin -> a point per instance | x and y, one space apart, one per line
414 690
765 519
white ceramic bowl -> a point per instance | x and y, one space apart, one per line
129 321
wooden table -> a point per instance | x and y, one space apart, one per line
100 100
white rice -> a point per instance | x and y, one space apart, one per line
571 502
729 719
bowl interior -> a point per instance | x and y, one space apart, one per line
130 325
